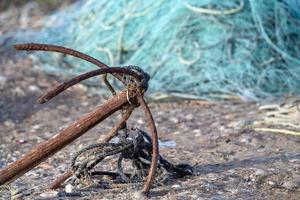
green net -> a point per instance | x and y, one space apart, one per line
203 49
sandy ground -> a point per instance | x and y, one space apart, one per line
230 160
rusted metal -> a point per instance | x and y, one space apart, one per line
63 50
122 101
62 87
59 49
62 178
65 137
155 150
125 116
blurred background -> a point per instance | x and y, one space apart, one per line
208 49
224 89
49 5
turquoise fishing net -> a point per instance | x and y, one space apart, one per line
200 49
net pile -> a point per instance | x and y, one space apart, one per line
200 49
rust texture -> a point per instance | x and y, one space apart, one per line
65 137
57 182
136 86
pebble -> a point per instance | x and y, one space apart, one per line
71 194
160 113
257 175
222 128
174 120
9 123
245 139
294 160
189 117
138 195
176 186
271 183
62 107
167 144
198 135
217 198
33 88
81 87
85 103
69 188
140 121
3 79
19 92
36 127
177 132
49 194
21 141
197 131
234 124
193 196
46 166
249 140
260 172
2 164
233 190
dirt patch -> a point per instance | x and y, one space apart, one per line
230 160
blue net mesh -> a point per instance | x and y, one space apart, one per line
203 49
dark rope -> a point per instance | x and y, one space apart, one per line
135 146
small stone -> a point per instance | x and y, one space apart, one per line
62 107
71 194
69 188
167 144
176 186
81 87
36 127
140 121
258 175
138 195
271 183
46 166
245 140
9 123
21 141
49 194
33 88
294 160
222 128
176 132
260 172
2 164
197 131
249 140
233 191
19 92
218 198
189 117
198 135
85 103
174 120
3 79
234 124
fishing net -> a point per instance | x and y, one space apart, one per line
199 49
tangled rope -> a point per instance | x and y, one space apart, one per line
244 48
134 145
